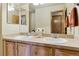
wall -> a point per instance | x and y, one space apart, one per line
32 21
69 7
13 28
1 46
43 16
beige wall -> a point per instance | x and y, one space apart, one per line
1 50
32 21
69 7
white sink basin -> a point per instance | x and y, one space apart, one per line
53 40
23 37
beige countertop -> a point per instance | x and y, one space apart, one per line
71 44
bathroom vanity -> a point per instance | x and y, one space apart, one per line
22 45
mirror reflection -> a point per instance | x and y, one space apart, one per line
16 13
48 16
58 18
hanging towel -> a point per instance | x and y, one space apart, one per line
73 21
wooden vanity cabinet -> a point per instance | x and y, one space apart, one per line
23 49
16 49
10 49
33 50
42 51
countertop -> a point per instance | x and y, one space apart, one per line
71 44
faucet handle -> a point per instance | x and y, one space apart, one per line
33 30
42 30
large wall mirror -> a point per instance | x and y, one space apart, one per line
48 16
55 18
16 13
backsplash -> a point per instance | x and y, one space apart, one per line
73 30
40 30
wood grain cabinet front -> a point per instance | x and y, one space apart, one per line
65 52
10 49
42 51
23 49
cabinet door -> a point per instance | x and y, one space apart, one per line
23 49
42 51
10 49
64 52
